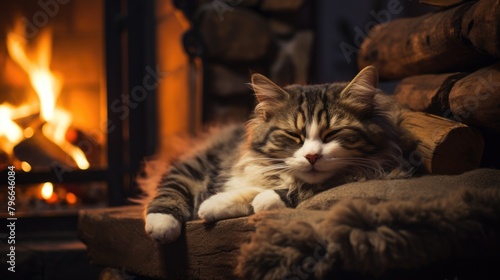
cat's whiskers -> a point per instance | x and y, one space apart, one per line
264 160
358 162
276 167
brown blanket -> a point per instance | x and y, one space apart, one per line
373 228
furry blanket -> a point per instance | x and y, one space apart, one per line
373 229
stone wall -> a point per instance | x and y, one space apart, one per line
241 37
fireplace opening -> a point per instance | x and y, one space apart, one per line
53 104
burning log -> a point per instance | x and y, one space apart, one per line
39 151
4 159
448 40
446 147
87 143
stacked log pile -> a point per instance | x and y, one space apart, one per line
241 37
448 64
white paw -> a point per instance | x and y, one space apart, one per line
222 206
163 228
267 200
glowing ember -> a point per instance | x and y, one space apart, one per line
71 198
28 132
47 191
47 87
26 167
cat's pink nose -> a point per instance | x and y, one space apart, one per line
312 158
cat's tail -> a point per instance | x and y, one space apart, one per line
173 149
154 167
148 180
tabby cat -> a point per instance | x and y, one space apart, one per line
302 139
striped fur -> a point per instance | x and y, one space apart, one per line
301 140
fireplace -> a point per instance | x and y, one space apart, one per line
80 83
53 105
85 98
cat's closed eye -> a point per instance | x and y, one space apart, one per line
350 138
295 136
345 135
330 135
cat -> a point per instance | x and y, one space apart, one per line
301 140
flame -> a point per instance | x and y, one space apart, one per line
47 191
57 131
10 132
9 129
47 87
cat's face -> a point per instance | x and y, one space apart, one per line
314 132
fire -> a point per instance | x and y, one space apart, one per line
10 132
9 129
47 86
47 191
71 198
26 167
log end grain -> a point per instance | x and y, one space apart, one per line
460 151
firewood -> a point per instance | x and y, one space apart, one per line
89 144
468 98
4 159
445 146
441 3
449 40
481 25
475 99
428 93
39 151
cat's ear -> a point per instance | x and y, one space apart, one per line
360 92
269 95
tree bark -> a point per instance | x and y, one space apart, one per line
454 39
475 99
472 99
428 93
